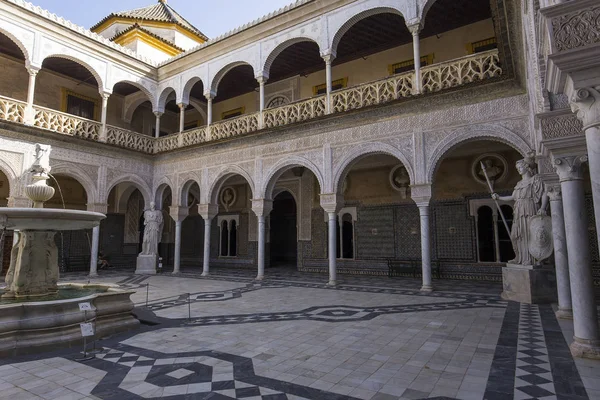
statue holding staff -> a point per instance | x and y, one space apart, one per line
530 199
153 224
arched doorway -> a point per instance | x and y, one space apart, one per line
284 235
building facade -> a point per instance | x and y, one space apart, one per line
333 136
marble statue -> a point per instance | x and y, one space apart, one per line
153 224
530 199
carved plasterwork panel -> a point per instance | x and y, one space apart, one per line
576 29
562 126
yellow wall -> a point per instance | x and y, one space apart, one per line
247 100
4 190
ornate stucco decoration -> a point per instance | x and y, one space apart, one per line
576 29
400 180
228 197
495 165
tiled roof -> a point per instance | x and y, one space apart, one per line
159 12
146 31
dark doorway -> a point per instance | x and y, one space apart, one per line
506 250
284 239
485 229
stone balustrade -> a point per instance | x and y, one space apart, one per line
437 77
66 124
295 112
476 67
12 110
372 93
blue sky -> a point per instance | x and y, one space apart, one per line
212 17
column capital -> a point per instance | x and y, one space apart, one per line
158 114
98 207
328 56
585 102
105 95
569 168
33 71
414 26
554 192
331 202
262 207
182 106
178 213
210 94
421 194
208 211
262 77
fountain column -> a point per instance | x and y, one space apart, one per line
208 212
178 214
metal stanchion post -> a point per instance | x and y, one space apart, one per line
189 308
147 290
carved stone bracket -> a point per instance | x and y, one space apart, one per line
332 202
208 211
586 103
421 194
570 168
178 213
262 207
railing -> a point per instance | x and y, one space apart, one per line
234 126
12 110
461 71
295 112
67 124
128 139
436 77
372 93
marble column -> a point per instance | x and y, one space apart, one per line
102 136
29 113
332 225
328 79
182 108
261 81
586 340
262 208
208 213
561 260
425 247
178 214
94 254
414 29
209 103
157 124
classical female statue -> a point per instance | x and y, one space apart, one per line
153 223
530 199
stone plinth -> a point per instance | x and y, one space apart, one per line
526 284
146 264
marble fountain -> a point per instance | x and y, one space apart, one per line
37 313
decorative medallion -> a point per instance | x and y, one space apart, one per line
399 180
495 167
228 197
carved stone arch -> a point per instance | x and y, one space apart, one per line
162 98
459 136
87 66
222 176
187 88
143 89
133 180
423 8
184 191
159 193
341 22
266 66
132 102
80 176
197 105
357 152
13 36
283 165
14 186
216 80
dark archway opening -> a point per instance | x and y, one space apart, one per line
485 230
284 235
506 250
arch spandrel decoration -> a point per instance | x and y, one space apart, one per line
188 81
495 133
354 153
162 98
22 37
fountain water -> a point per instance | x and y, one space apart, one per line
36 316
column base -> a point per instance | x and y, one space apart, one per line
93 275
259 278
205 274
332 283
426 288
564 314
527 284
584 348
175 272
146 265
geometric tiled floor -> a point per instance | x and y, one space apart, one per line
292 337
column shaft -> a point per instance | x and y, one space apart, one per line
561 258
94 254
417 60
206 259
29 114
177 255
332 248
328 83
592 138
157 125
102 137
209 111
262 101
181 117
425 248
261 247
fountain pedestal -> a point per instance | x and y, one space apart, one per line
34 265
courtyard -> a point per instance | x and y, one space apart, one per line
292 337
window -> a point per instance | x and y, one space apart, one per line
233 113
482 45
81 106
493 241
228 227
345 233
335 85
409 65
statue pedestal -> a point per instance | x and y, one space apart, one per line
528 284
146 264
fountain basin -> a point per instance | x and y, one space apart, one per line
36 326
48 219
